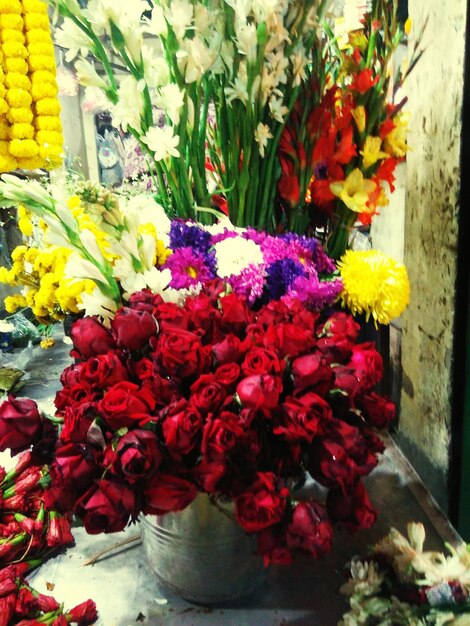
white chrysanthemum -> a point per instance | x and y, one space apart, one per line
235 254
162 142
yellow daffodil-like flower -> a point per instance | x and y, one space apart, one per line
47 343
374 285
359 115
372 152
354 191
395 142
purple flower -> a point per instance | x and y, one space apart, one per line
184 235
225 234
280 276
315 292
249 283
188 268
255 235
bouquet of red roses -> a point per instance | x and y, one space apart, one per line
214 397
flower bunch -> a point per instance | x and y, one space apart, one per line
30 128
22 605
119 247
213 397
346 134
400 583
229 76
374 285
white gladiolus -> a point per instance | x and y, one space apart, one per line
162 142
156 71
171 100
128 111
246 40
87 75
79 268
179 15
157 25
242 8
96 303
277 109
157 280
262 135
73 39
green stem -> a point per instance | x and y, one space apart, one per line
338 242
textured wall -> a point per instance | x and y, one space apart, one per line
435 93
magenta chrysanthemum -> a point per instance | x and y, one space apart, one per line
188 268
249 283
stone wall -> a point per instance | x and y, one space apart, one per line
435 92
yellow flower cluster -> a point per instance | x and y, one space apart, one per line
374 284
30 128
45 289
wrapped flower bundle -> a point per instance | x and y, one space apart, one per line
213 397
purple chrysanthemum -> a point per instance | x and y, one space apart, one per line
188 268
280 276
314 292
225 234
184 235
249 283
255 235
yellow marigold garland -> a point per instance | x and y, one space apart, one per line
374 284
30 128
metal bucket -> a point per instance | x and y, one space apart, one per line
202 554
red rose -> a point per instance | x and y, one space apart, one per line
275 312
330 465
220 436
104 370
359 446
259 392
227 375
90 337
164 390
353 509
230 350
137 455
20 424
71 375
181 428
143 370
347 381
207 395
379 411
235 313
166 493
80 393
288 340
260 361
367 364
77 420
335 349
261 505
133 328
310 530
272 546
298 420
106 507
145 300
169 314
125 404
340 325
204 316
312 371
209 472
181 354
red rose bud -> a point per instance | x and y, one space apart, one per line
261 505
220 436
207 395
167 494
20 424
227 375
181 427
298 420
133 328
169 314
90 337
354 509
83 614
229 350
181 354
145 300
310 529
235 313
379 411
340 325
260 361
137 455
104 370
288 339
259 392
58 532
126 404
106 507
367 364
312 371
74 467
330 465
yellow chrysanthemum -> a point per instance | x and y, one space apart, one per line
374 284
47 343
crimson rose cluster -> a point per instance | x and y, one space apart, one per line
214 397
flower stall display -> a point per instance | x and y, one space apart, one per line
347 132
401 583
30 127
